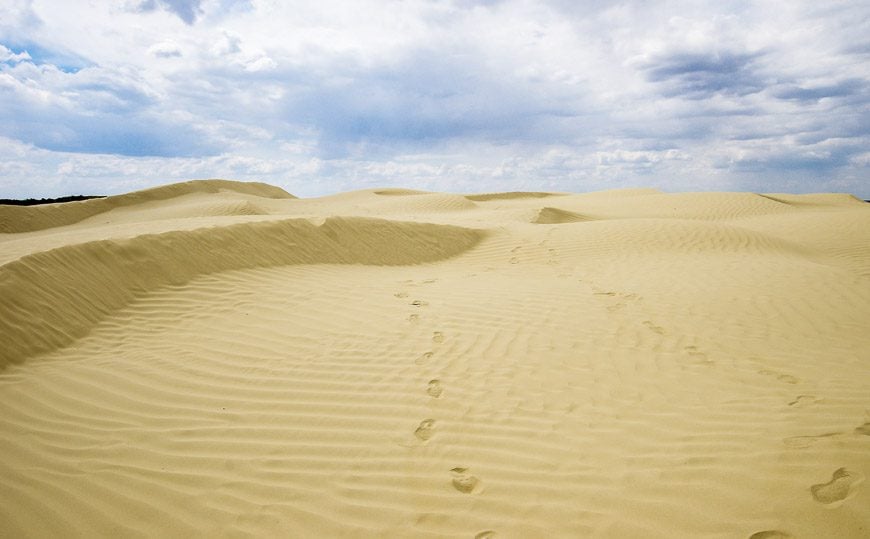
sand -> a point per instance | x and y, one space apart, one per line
221 359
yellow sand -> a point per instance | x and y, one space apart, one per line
218 359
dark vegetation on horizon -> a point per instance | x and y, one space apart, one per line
37 201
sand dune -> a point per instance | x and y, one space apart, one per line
218 359
29 218
58 295
555 216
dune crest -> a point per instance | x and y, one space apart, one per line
816 199
510 195
395 191
553 216
53 297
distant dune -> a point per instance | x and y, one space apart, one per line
31 218
223 359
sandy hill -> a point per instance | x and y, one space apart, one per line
29 218
222 359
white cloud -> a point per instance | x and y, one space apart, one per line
261 63
7 55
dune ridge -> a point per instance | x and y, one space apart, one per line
552 216
14 219
510 195
814 199
51 298
395 191
389 363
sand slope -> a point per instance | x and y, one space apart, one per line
220 359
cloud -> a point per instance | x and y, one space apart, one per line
17 19
702 75
228 44
463 95
57 58
91 111
425 98
8 56
230 50
187 10
844 88
165 49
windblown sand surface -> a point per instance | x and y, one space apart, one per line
217 359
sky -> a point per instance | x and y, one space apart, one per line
106 97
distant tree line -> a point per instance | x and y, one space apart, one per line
37 201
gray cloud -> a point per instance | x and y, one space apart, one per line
187 10
90 111
427 98
842 88
193 11
166 53
702 75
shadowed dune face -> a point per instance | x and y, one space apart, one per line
219 360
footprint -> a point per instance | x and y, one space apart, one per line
803 442
654 328
430 281
463 481
488 534
864 429
438 337
834 492
426 429
425 357
434 388
514 260
419 303
401 294
787 378
604 293
803 400
414 318
699 356
771 534
515 249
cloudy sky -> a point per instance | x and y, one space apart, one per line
107 96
